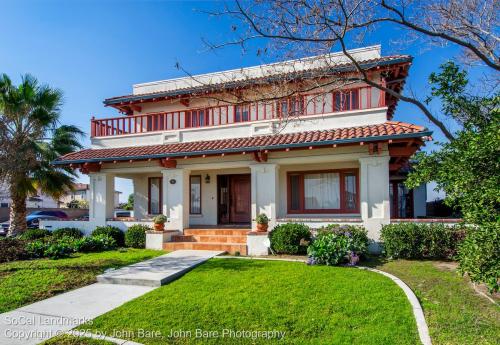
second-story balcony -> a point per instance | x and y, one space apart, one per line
293 107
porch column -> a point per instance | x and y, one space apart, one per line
374 193
102 197
176 198
140 196
264 184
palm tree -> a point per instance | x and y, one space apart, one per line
31 137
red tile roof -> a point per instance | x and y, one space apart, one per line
384 131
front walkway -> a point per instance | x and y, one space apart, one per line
160 270
42 320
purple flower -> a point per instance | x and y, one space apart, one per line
353 259
311 261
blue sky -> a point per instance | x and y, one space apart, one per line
97 49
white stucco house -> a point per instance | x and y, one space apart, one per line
81 191
213 151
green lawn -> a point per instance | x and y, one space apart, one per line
311 304
455 313
24 282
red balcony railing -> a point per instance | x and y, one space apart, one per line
297 106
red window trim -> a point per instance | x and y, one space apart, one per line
342 209
149 194
248 107
298 101
190 182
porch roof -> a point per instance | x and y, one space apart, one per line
389 130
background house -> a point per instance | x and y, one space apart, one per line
80 193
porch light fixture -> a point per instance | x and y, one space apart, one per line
207 178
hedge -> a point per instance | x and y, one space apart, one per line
421 240
290 238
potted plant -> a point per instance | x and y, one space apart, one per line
159 222
262 222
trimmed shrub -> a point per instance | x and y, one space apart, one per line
12 249
58 250
51 248
67 232
34 234
36 249
135 236
96 243
290 238
111 231
479 255
357 234
421 241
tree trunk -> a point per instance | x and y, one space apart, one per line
17 213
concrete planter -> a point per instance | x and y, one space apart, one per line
257 243
155 239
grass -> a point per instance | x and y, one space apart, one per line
311 304
24 282
72 340
454 312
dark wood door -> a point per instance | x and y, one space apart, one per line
240 199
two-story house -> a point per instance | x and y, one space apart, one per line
209 159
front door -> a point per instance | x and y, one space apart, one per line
234 199
239 200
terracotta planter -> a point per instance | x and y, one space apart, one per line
159 227
262 227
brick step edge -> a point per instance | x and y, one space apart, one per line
231 248
210 239
217 232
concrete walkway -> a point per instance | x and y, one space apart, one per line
160 270
42 320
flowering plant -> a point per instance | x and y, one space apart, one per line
336 244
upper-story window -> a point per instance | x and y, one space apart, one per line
242 113
346 100
196 118
292 106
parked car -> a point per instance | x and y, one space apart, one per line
58 214
123 214
33 220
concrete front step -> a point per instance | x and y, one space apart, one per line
231 248
160 270
210 238
217 232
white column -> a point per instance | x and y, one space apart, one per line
140 196
264 183
176 198
374 193
102 197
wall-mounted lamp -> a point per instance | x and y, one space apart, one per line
207 178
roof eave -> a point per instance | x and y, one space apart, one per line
174 93
425 133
